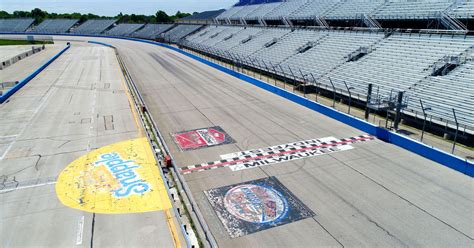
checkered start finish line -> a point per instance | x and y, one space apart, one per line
278 154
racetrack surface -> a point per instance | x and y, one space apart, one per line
376 194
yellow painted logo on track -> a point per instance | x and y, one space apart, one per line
120 178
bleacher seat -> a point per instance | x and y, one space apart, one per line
284 10
94 26
124 29
152 31
354 9
179 32
55 26
15 25
243 12
261 11
419 9
312 9
464 11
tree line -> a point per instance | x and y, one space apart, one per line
40 15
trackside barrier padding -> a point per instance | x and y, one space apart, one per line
100 43
454 162
24 81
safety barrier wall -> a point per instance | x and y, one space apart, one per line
100 43
24 81
456 163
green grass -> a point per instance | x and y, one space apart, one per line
23 42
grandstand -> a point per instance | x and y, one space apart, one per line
261 11
124 29
412 10
242 12
151 31
464 11
94 26
354 9
339 13
55 26
179 32
399 62
15 25
206 17
307 54
284 9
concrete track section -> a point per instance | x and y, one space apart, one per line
26 66
78 104
374 194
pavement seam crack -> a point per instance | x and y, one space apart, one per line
404 199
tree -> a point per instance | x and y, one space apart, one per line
38 15
161 16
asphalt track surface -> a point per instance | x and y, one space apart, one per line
53 120
376 194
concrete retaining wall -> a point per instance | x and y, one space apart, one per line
11 61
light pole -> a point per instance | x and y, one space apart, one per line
424 119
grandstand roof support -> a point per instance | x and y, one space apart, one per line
321 22
452 23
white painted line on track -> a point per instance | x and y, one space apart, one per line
8 136
27 187
80 231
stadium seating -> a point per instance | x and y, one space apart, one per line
243 12
237 38
284 9
151 31
262 11
179 32
412 9
15 25
353 9
464 11
228 13
124 29
398 62
94 26
286 46
330 52
312 9
55 26
203 16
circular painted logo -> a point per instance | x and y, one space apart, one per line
255 203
